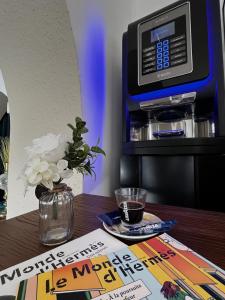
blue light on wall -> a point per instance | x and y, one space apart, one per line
188 87
93 82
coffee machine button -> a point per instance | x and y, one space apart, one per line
159 61
166 59
159 67
159 56
178 55
152 69
150 59
166 65
178 38
177 44
166 54
159 45
149 65
177 50
149 70
146 71
159 50
165 48
148 54
148 49
178 61
165 42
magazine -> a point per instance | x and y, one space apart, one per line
159 268
92 244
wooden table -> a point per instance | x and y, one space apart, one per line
203 231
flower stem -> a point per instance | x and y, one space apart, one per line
55 209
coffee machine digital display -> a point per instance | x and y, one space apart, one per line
165 46
162 32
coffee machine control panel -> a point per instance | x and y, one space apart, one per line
165 46
164 53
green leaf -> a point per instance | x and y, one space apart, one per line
83 130
97 149
77 138
78 120
86 148
81 156
71 126
80 153
88 168
80 123
78 144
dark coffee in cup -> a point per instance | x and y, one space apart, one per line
131 204
131 212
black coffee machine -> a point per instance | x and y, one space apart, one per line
174 105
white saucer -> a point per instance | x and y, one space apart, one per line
115 229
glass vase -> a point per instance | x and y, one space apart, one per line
56 215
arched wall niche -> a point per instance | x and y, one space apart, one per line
38 62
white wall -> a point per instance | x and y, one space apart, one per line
97 26
38 63
2 84
107 20
3 97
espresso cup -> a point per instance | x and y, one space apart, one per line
131 204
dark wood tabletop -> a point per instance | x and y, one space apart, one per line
203 231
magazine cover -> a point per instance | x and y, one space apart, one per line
160 268
92 244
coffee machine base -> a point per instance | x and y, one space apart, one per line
195 181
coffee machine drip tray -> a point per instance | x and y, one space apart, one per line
176 128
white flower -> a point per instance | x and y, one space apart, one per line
50 147
4 182
34 179
39 171
45 164
62 166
